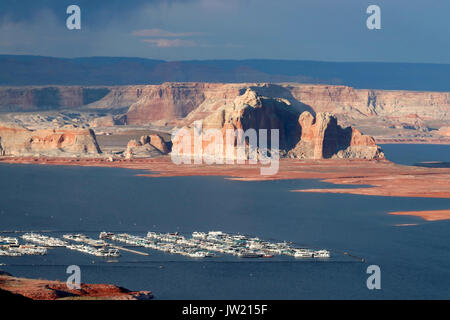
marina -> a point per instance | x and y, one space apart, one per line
44 240
83 238
212 243
199 245
99 252
21 250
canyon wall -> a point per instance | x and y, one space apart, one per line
194 100
48 98
357 103
172 101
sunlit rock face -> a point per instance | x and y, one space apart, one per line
301 134
66 141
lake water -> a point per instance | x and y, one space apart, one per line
414 259
411 154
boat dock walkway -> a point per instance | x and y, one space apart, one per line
129 250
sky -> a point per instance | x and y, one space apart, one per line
326 30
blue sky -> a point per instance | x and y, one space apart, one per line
330 30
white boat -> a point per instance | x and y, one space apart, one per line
105 235
303 254
322 254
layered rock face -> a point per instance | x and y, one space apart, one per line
172 101
181 103
147 147
301 135
20 141
357 103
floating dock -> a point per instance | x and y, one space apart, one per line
129 250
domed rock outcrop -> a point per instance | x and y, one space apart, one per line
301 134
66 141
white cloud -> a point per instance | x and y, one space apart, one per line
170 43
164 34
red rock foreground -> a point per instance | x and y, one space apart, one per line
383 178
431 215
54 290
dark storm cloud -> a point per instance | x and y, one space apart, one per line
95 11
412 30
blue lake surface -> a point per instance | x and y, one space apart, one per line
411 154
414 259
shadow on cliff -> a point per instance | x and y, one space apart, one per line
290 129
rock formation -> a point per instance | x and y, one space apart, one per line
301 135
322 137
20 141
383 113
170 101
158 142
53 290
444 131
147 147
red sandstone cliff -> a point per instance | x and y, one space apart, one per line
170 101
382 113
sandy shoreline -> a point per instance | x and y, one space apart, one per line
383 177
429 215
